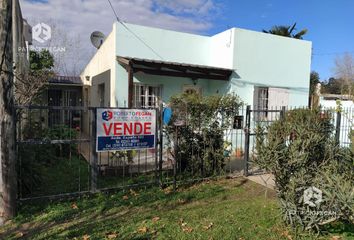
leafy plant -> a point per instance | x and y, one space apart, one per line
199 137
286 31
301 153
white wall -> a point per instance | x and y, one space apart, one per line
262 59
104 60
258 59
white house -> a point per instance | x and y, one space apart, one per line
264 70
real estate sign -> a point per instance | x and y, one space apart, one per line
125 129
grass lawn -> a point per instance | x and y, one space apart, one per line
223 209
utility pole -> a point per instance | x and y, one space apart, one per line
8 182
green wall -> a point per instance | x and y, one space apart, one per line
258 59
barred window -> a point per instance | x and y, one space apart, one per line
146 96
262 98
261 102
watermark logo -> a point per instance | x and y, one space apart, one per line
312 196
41 32
107 115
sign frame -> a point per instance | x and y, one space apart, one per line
148 138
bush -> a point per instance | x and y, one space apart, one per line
201 145
301 153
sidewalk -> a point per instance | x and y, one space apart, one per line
266 180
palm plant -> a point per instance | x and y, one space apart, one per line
286 31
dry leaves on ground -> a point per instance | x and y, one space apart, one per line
112 235
125 197
181 201
167 190
74 206
19 234
132 192
184 226
187 229
143 230
155 219
335 238
207 227
287 235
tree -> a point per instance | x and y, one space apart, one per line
286 31
333 86
66 49
28 87
314 80
314 97
41 61
8 186
344 69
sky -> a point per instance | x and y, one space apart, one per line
329 22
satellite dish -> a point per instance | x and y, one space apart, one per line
97 39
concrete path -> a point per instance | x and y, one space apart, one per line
266 180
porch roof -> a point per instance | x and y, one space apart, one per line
174 69
65 80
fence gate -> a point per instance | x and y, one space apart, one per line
254 118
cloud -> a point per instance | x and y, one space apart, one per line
74 20
189 7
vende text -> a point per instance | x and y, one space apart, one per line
130 128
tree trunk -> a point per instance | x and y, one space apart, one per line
8 183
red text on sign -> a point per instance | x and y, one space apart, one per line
130 128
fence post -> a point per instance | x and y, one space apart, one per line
247 139
282 113
93 161
338 122
175 161
161 142
156 145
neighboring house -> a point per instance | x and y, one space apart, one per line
63 91
265 70
332 102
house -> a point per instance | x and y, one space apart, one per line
63 91
137 65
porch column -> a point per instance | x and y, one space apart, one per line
130 85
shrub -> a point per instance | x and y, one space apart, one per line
201 145
300 151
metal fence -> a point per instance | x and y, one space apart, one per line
57 155
254 118
342 119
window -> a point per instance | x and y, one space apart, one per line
269 98
146 96
260 102
101 94
192 89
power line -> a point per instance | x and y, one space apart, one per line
331 53
135 35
